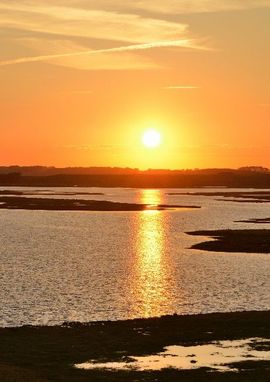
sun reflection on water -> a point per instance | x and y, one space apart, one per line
151 281
151 197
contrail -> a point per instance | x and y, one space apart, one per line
185 43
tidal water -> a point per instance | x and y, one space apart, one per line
217 355
60 266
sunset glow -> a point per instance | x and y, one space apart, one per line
82 81
151 138
134 190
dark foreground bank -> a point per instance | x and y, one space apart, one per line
49 353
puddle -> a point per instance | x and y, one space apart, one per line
216 355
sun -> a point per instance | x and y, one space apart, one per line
151 138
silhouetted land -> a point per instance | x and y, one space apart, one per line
259 200
46 192
240 197
46 354
107 177
248 241
255 221
20 202
48 171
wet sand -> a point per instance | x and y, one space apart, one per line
19 202
247 241
49 353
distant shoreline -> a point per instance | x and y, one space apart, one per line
171 179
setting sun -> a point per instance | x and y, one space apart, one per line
134 148
151 138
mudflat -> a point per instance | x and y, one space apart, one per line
49 353
246 240
238 196
28 203
255 221
46 192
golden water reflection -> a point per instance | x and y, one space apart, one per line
152 271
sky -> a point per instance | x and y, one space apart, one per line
81 80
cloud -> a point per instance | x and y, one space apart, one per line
70 35
96 147
181 87
121 49
195 6
87 23
61 52
86 92
164 6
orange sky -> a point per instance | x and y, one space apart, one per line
81 81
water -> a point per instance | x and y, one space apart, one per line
81 266
218 356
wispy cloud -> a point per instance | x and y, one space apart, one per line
197 6
112 33
80 92
129 48
87 23
69 33
181 87
109 147
166 6
64 50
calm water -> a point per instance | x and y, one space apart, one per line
216 355
58 266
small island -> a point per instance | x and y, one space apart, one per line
247 241
50 204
